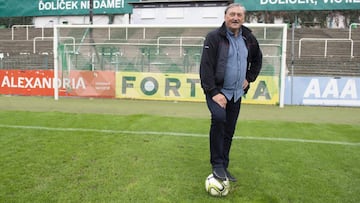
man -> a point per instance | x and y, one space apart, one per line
231 59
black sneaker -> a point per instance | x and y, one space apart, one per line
219 173
229 176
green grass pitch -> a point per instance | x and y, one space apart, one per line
103 150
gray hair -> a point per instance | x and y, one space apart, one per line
234 5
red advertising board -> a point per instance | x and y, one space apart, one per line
42 82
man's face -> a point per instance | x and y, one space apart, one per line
234 18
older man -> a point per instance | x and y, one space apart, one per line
230 61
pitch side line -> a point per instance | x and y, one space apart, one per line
177 134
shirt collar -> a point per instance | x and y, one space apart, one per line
230 33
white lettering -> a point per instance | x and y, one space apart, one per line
41 6
111 3
273 2
99 4
107 4
310 2
349 89
5 82
331 89
81 84
31 83
341 1
85 4
20 82
37 83
313 88
66 83
58 5
46 82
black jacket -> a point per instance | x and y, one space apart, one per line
214 59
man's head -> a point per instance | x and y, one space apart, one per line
234 16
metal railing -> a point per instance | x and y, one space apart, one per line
27 30
350 28
126 31
180 42
326 44
51 39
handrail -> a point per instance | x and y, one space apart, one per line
51 38
351 25
23 26
180 43
326 42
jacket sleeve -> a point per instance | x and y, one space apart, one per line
255 62
208 65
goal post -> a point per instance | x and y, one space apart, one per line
160 49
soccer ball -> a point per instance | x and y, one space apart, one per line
216 187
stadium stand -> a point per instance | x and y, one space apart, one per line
17 51
337 61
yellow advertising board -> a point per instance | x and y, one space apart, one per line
265 90
186 87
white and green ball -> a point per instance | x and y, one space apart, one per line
216 187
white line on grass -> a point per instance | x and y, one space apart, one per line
177 134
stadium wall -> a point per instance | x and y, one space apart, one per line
175 16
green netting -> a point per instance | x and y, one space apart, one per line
151 49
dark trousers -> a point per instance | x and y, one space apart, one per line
223 123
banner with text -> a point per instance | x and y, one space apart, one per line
186 87
133 85
323 91
41 83
299 5
62 7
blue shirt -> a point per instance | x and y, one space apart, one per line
235 72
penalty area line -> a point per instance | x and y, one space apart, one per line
177 134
